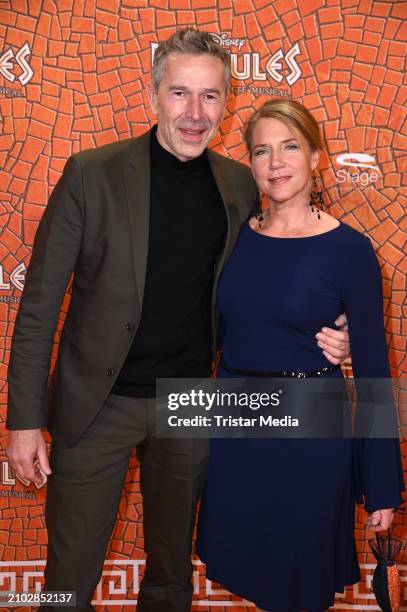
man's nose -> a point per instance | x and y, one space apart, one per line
194 108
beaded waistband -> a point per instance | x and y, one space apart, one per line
282 374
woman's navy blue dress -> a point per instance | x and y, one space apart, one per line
276 524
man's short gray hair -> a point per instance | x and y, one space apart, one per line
192 42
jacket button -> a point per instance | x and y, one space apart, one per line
130 326
110 372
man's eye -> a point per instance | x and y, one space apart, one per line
259 152
179 93
211 97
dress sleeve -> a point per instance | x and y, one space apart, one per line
378 460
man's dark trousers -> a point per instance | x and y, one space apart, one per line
84 492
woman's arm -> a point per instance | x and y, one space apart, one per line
378 459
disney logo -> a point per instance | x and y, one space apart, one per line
222 39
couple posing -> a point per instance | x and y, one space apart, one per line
146 227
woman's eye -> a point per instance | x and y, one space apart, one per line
292 146
259 152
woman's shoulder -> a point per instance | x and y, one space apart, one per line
357 252
352 249
354 234
353 237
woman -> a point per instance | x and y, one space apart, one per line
277 517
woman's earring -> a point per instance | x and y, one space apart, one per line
315 196
258 211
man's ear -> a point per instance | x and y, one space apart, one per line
152 96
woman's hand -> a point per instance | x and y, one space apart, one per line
380 520
334 342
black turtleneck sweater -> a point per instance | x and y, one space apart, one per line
187 232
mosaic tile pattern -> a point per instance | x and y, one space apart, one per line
83 84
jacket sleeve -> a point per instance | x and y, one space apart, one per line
378 459
55 252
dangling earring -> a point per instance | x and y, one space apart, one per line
258 211
315 196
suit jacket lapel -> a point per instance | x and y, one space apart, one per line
137 181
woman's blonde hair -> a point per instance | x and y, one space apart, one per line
294 115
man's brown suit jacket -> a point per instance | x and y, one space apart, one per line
96 228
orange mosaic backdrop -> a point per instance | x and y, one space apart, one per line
73 75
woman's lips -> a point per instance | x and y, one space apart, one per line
278 180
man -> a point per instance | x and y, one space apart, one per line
145 227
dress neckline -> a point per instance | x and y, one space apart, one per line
334 229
